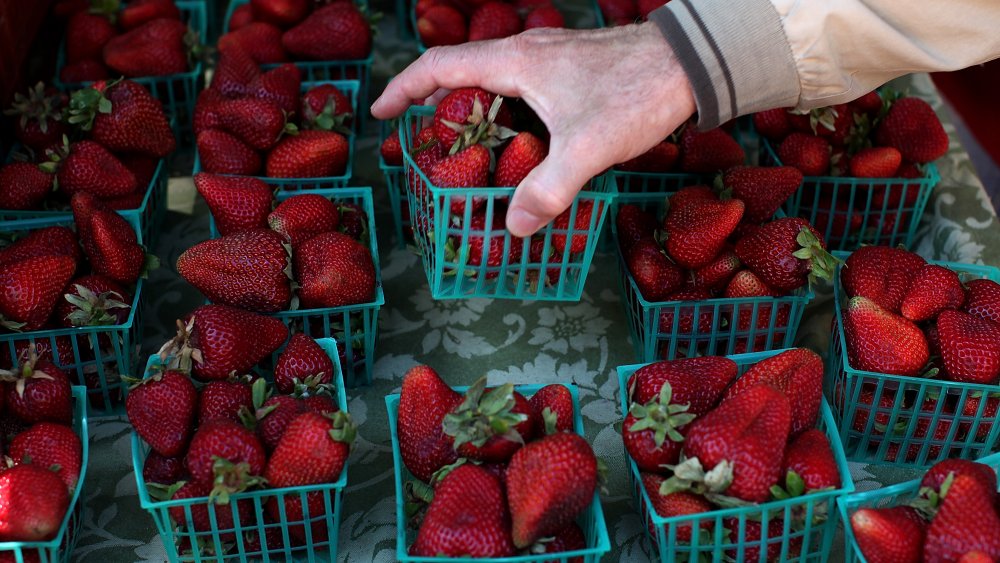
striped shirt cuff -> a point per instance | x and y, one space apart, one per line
735 54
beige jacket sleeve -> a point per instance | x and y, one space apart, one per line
749 55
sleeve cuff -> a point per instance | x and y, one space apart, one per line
736 56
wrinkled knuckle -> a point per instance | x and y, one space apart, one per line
550 201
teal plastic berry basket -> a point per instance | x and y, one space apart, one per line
908 421
886 497
355 326
850 212
666 330
442 235
311 536
404 20
178 92
395 182
598 14
93 356
810 541
60 548
591 521
349 88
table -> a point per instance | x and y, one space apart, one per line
520 342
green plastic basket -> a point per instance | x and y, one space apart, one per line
591 521
404 20
883 498
354 324
431 215
99 370
395 181
885 211
349 88
815 539
598 14
920 407
656 327
252 541
178 92
60 548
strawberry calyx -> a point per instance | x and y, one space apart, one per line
163 492
929 500
689 475
550 419
344 430
195 49
822 264
36 106
443 472
178 353
327 120
480 128
25 372
86 103
93 309
417 497
662 416
231 478
482 415
260 394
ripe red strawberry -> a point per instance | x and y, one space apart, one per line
38 117
228 441
163 470
442 25
283 13
989 412
496 255
882 342
313 450
47 444
698 382
544 16
583 225
47 241
661 158
549 482
707 152
966 521
697 231
889 534
466 110
763 190
983 299
423 403
234 73
467 517
880 273
468 168
301 217
934 289
552 408
685 318
941 471
24 186
155 48
280 86
258 123
748 431
302 360
869 104
93 300
654 274
206 108
912 127
135 122
875 162
83 71
39 392
618 12
30 289
524 153
326 107
976 557
674 504
162 411
354 221
222 153
217 340
391 151
273 417
139 12
808 153
336 32
426 151
108 240
201 519
809 465
309 154
653 432
36 502
313 510
786 254
490 424
237 203
86 35
223 400
968 347
633 224
262 41
772 124
333 270
798 373
494 20
91 168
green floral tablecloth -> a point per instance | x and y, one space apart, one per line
521 342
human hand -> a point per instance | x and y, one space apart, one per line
605 95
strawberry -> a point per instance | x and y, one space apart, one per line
83 71
966 521
756 535
708 152
302 361
942 471
86 35
571 538
24 186
38 117
312 450
280 86
326 107
661 158
806 152
217 340
976 557
468 168
912 127
762 190
261 41
108 240
283 13
552 408
333 270
237 203
549 482
91 168
880 273
697 382
442 25
786 254
674 504
875 162
36 502
934 289
155 48
163 470
223 440
544 16
354 221
772 124
654 274
301 217
309 154
222 153
200 519
258 123
584 223
93 300
206 110
427 151
697 231
495 256
391 151
989 412
524 152
746 284
798 373
633 224
490 424
135 121
47 241
162 409
273 417
423 403
983 299
336 32
234 72
467 517
472 114
39 392
647 427
869 104
139 12
313 510
30 289
809 466
47 444
494 20
223 400
882 342
685 322
968 347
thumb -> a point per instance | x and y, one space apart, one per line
549 189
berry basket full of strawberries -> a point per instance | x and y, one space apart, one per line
868 165
228 470
495 474
742 449
949 514
914 360
458 212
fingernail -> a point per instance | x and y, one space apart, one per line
522 223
